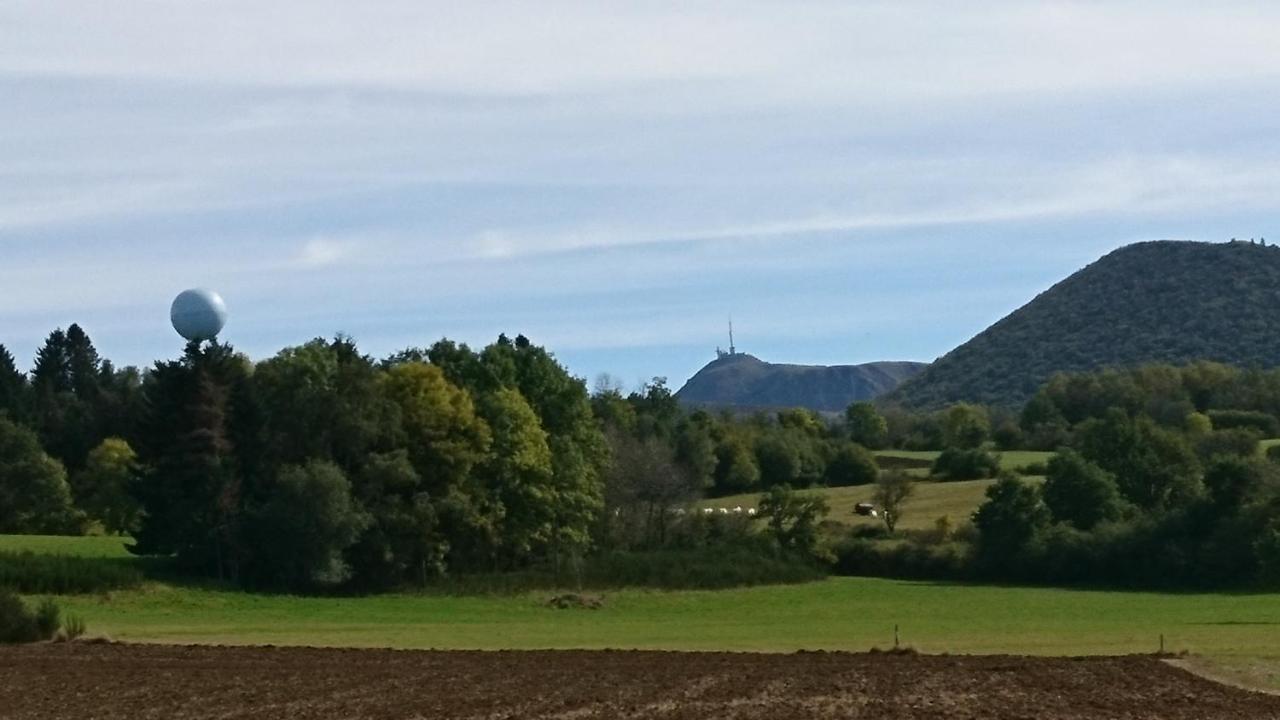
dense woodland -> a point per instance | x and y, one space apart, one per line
322 467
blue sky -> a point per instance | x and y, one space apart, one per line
849 181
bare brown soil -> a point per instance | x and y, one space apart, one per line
141 681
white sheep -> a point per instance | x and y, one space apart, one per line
737 510
751 512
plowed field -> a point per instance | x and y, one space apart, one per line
142 681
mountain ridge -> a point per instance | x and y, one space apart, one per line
744 382
1163 301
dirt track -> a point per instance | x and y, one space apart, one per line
138 681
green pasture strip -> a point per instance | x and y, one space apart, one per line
1009 460
87 546
839 613
931 500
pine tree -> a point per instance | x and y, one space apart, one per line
83 363
52 372
13 386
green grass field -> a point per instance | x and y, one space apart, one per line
931 500
87 546
1229 631
1011 460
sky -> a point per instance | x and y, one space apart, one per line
849 182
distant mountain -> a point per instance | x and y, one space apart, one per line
1166 301
746 382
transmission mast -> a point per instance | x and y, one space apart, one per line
732 349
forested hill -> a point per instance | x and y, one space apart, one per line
746 382
1165 301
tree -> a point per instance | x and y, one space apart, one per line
851 464
643 485
52 372
804 422
777 459
892 491
13 387
82 362
403 541
1232 482
438 422
34 495
736 468
793 518
865 425
300 531
965 426
1154 467
1080 493
198 442
965 464
520 476
579 452
695 448
102 488
1012 514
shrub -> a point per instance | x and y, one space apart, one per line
911 560
1264 423
1239 442
704 568
1035 469
73 627
48 618
18 624
852 464
965 464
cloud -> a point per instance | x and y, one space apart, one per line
321 252
612 175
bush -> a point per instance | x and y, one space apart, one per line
708 567
18 624
965 464
1264 423
48 618
910 560
852 464
1239 442
704 568
27 572
73 627
1273 453
1035 469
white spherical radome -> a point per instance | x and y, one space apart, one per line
198 314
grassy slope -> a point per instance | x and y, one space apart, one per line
932 500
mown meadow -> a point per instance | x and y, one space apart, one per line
1234 634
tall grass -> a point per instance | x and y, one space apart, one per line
31 574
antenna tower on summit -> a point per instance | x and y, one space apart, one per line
732 349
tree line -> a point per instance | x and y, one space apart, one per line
1159 479
324 467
